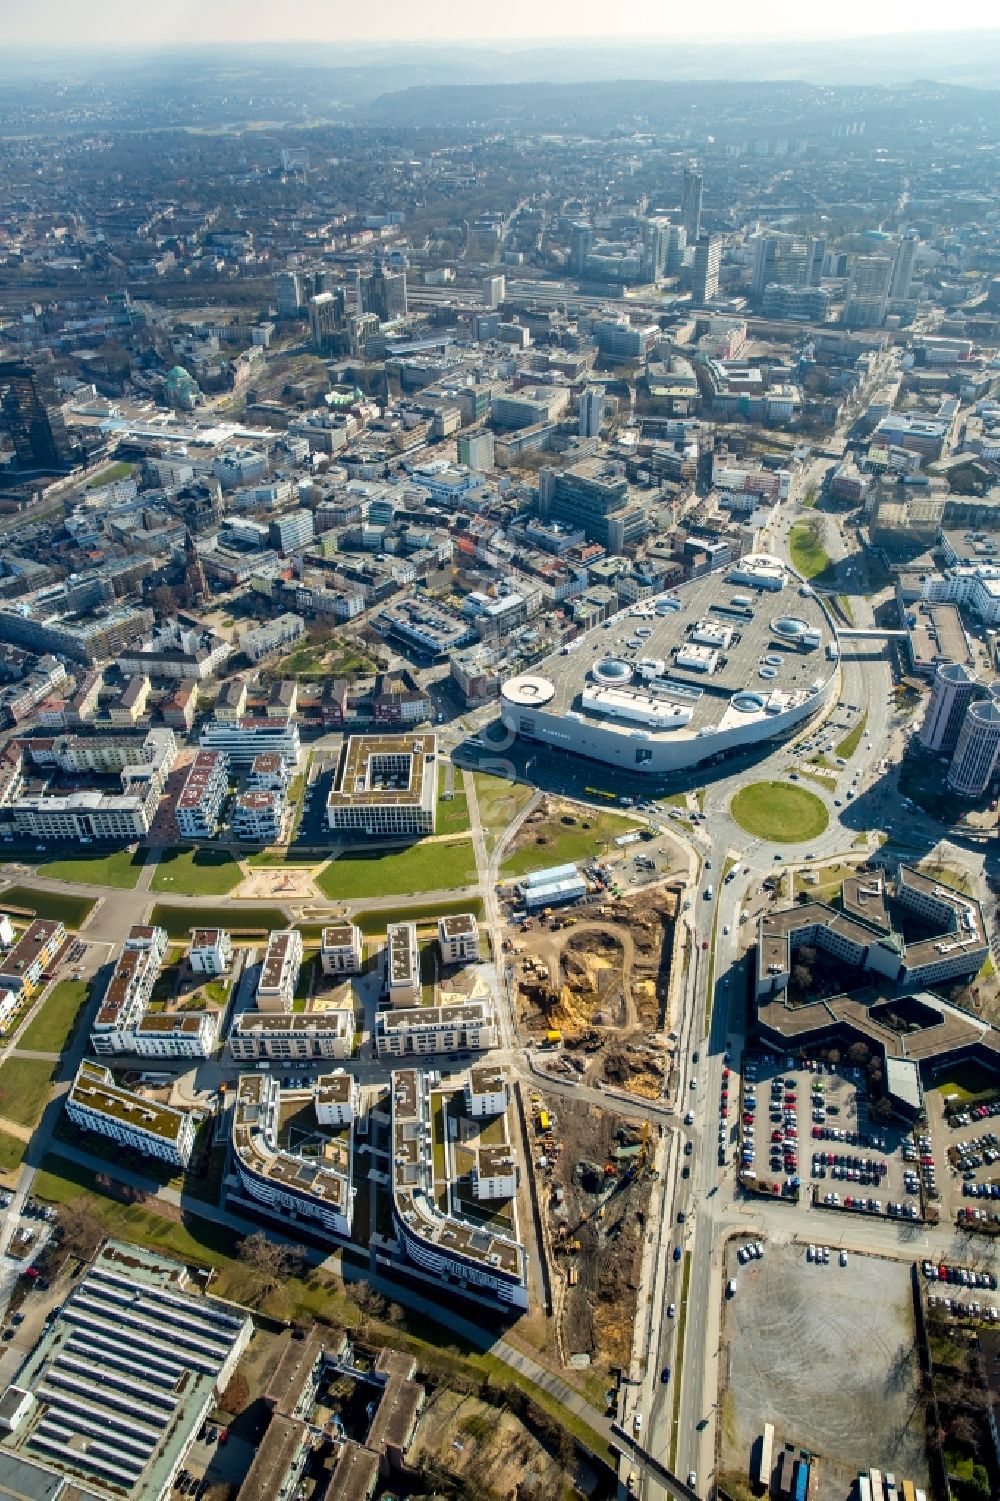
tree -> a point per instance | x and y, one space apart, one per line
82 1231
858 1053
802 976
269 1263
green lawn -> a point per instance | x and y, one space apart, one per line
179 921
11 1153
452 813
417 867
570 836
24 1089
807 552
51 1025
852 740
779 811
196 872
970 1081
60 906
118 868
499 801
110 475
268 859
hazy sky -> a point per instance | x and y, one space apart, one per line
53 23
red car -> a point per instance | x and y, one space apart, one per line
725 1073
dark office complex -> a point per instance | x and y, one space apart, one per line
33 421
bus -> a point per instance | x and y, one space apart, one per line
875 1479
864 1489
609 797
764 1461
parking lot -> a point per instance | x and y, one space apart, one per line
826 1353
809 1127
966 1139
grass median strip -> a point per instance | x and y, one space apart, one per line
851 741
679 1358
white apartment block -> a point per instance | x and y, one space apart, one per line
211 951
336 1099
96 1103
258 816
386 785
260 641
487 1091
458 937
269 773
341 950
202 796
495 1173
175 1034
402 964
279 973
295 1037
425 1030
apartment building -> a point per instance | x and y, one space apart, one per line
131 702
211 951
269 773
458 938
341 950
295 1037
23 967
385 785
129 990
231 704
279 973
336 1099
202 796
258 816
263 640
96 1103
402 965
487 1091
315 1192
422 1030
458 1256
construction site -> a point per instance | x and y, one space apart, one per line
593 989
593 1170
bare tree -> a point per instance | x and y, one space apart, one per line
269 1263
82 1231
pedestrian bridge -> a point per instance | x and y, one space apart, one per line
871 633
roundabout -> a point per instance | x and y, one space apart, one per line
779 812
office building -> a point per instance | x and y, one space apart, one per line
90 640
591 412
292 530
902 270
199 806
868 291
691 199
313 1191
329 327
96 1103
288 294
33 421
124 1374
705 269
593 494
623 341
23 967
477 450
243 741
975 764
954 689
279 973
341 951
494 291
676 244
385 785
382 293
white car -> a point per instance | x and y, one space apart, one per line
692 1479
811 1254
843 1258
637 1422
671 1310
